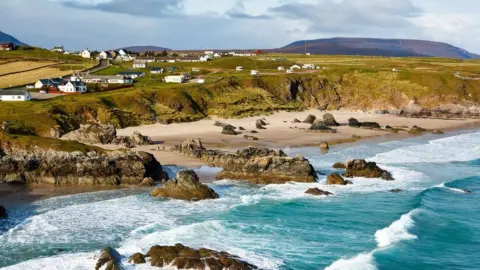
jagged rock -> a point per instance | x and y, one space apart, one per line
396 190
310 119
324 146
335 179
3 213
252 138
412 109
329 120
352 122
229 130
348 182
417 130
438 132
109 168
296 121
319 126
362 168
139 139
191 148
370 125
339 165
187 187
147 182
241 128
260 124
182 257
137 258
109 259
317 192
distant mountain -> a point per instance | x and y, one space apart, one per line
378 47
5 38
141 49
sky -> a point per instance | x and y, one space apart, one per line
235 24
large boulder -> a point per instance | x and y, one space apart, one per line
329 120
352 122
335 179
310 119
109 259
260 124
182 257
370 125
191 148
92 134
339 165
362 168
417 130
229 130
317 192
320 126
3 212
187 187
324 146
137 258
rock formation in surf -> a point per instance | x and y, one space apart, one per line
317 192
336 179
352 122
362 168
320 126
187 187
310 119
3 213
109 259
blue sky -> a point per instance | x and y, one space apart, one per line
210 24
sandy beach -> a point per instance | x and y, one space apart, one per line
279 133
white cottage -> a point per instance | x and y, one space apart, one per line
73 87
85 53
14 95
139 64
175 79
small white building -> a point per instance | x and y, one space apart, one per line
14 95
216 55
157 70
43 82
175 79
201 81
131 74
139 64
107 79
105 55
290 71
281 68
195 70
254 72
308 66
295 67
208 52
205 58
58 49
239 68
85 53
73 87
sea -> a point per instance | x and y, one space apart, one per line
433 224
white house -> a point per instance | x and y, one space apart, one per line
105 55
157 70
139 64
175 79
216 55
195 70
209 52
43 82
290 71
295 67
254 72
14 95
131 74
308 66
73 87
201 81
281 68
58 49
239 68
85 53
204 58
107 79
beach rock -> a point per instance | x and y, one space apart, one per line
296 121
396 190
317 192
260 124
147 182
335 179
254 131
339 165
110 168
229 130
109 259
182 257
219 124
3 213
191 148
417 130
138 139
438 132
370 125
137 258
348 182
310 119
324 146
362 168
252 138
319 126
352 122
329 120
187 187
241 128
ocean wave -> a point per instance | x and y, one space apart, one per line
77 261
397 231
362 261
442 185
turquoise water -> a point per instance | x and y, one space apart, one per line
433 224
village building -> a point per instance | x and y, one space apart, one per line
7 46
254 72
132 74
195 70
139 64
44 82
281 68
295 67
58 49
208 52
189 59
175 79
239 68
73 87
85 53
290 71
106 55
308 66
146 59
14 95
107 79
157 70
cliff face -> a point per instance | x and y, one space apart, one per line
76 168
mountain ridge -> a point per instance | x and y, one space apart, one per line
142 49
5 38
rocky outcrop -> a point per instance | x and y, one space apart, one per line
438 132
318 192
362 168
187 187
324 146
260 124
310 119
137 258
105 134
3 213
296 121
257 165
352 122
229 130
109 259
320 126
417 130
182 257
464 109
107 168
396 190
336 179
252 138
329 120
338 165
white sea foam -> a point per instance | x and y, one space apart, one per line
397 231
362 261
442 185
78 261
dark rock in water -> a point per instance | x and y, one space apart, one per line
3 213
229 130
467 191
296 121
137 258
329 120
339 165
60 250
370 125
317 192
109 259
248 137
348 182
310 119
396 190
438 132
187 187
335 179
362 168
260 124
352 122
320 126
417 130
324 146
241 128
182 257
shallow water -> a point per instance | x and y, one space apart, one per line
433 224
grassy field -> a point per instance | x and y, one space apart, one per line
32 76
21 66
